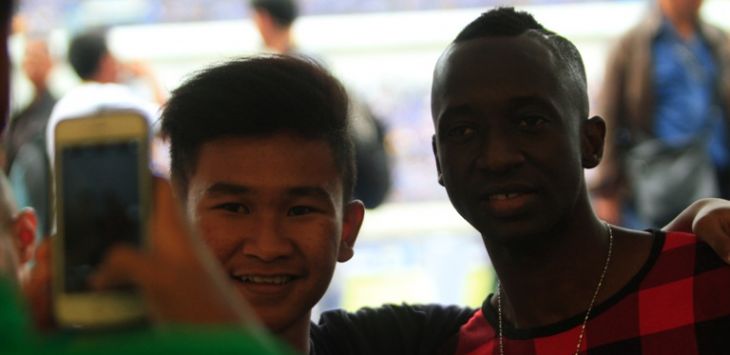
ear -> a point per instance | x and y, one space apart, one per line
436 157
593 132
25 227
351 222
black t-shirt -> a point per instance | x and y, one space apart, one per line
390 329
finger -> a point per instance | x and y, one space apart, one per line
716 233
123 265
37 288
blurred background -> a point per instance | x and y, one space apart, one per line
413 247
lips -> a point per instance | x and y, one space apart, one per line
261 279
264 282
503 196
507 200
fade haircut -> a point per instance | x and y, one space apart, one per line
507 22
86 51
258 97
284 12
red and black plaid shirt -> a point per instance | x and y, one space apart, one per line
679 303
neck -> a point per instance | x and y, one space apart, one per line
297 335
280 42
556 279
40 88
685 29
684 23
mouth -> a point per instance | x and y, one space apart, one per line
264 280
508 201
503 196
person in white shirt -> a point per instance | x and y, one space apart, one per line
100 90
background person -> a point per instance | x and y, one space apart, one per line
665 97
27 164
101 89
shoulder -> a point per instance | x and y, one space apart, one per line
689 267
715 35
401 314
401 329
688 290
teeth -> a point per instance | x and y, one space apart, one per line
274 280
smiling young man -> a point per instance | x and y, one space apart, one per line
512 138
262 160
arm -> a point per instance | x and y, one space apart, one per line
709 219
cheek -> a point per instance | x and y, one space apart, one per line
217 236
319 242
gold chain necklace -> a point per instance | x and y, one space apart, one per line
590 305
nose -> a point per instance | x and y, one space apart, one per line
499 152
267 240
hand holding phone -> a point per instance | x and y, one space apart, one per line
103 194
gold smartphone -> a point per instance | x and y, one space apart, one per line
103 197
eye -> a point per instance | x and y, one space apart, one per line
460 132
233 207
531 122
300 210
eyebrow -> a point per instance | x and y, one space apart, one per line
224 188
227 189
457 110
309 191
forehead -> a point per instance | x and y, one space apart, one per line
493 69
275 162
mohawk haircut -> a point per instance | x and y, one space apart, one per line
507 22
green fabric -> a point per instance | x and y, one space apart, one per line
176 340
15 329
18 338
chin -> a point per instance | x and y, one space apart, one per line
515 232
277 321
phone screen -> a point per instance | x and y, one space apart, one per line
101 206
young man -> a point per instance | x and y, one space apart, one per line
512 138
263 164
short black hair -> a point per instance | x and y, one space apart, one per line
86 51
257 97
507 22
284 12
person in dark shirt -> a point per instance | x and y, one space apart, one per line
27 164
